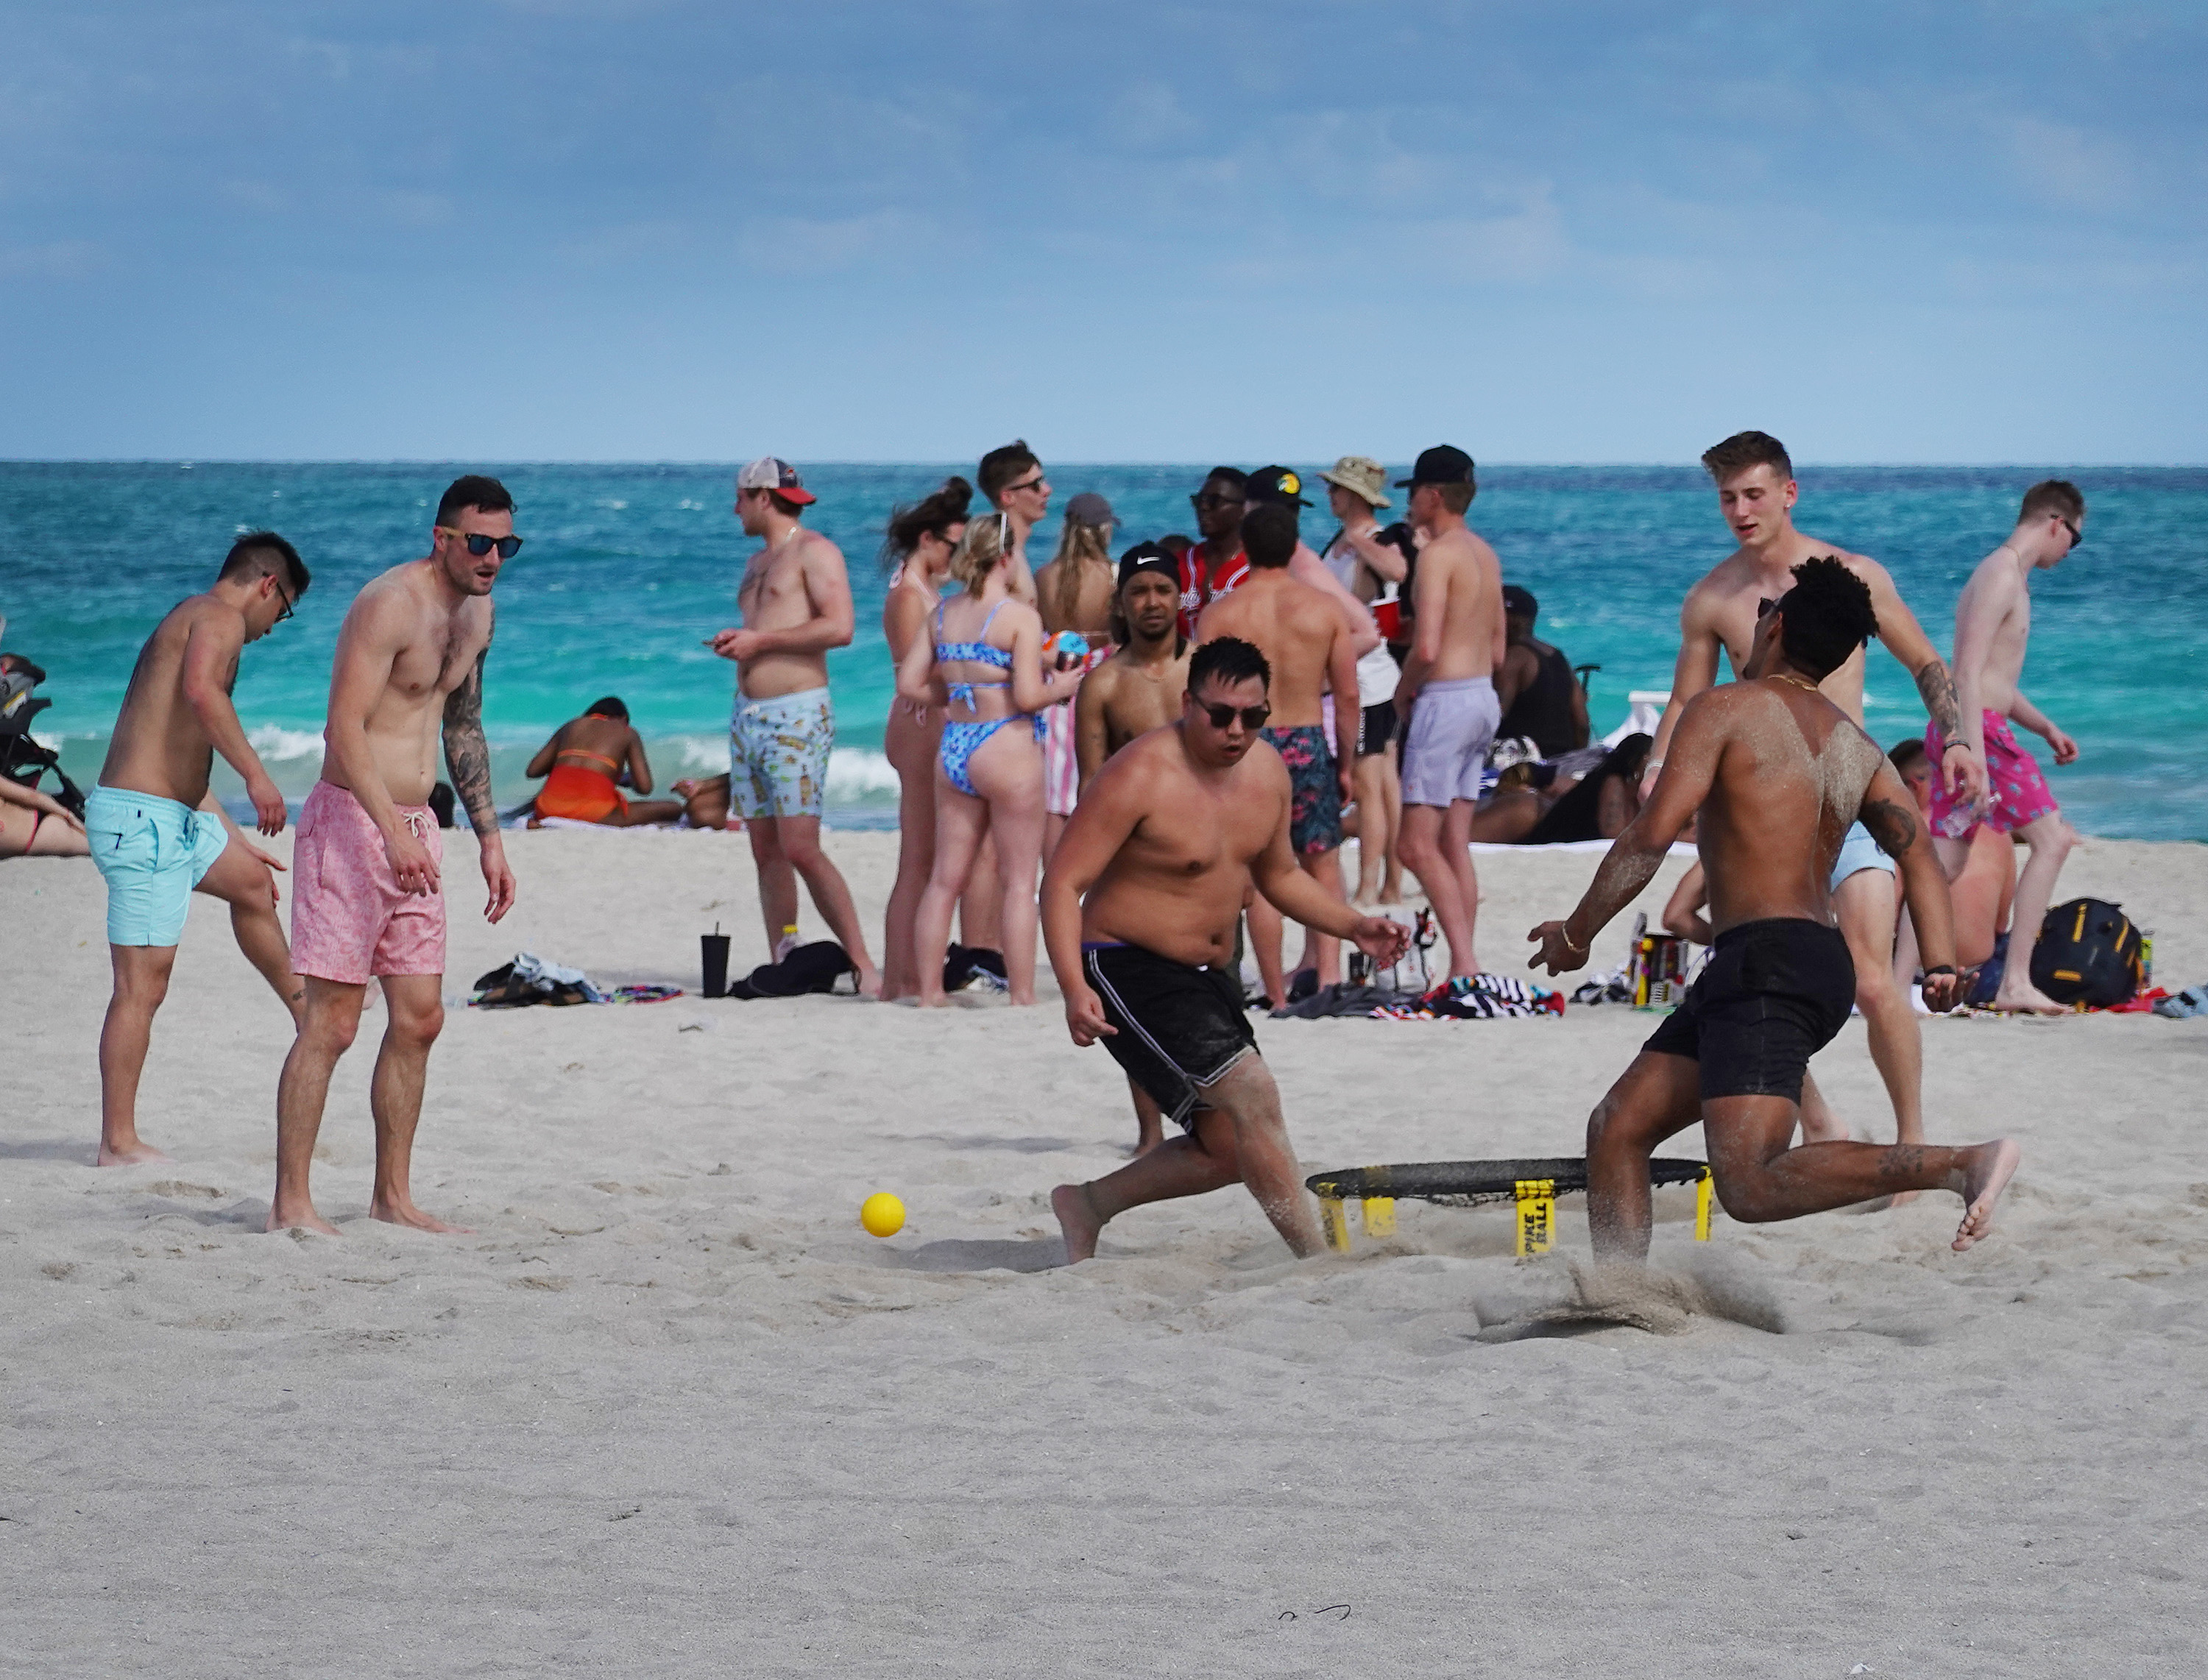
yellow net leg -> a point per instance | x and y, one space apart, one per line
1537 1216
1379 1215
1337 1222
1702 1207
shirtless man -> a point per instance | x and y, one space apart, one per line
156 833
1139 688
1993 626
1013 481
582 761
1756 487
796 603
1447 696
1139 907
368 899
1778 773
1305 645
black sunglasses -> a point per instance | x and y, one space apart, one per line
286 613
479 545
1764 606
1213 499
1223 716
2077 537
1029 485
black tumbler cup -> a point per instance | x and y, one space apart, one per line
714 948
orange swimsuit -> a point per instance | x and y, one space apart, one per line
580 794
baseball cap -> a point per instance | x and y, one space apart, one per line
771 472
1276 483
1148 557
1089 508
1443 463
1519 603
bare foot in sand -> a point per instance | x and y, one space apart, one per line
132 1154
1992 1166
1077 1216
407 1214
870 982
2025 999
300 1219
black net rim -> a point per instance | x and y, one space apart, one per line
1465 1183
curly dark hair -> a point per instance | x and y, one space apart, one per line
1825 616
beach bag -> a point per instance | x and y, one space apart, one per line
2088 953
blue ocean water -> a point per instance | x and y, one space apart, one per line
628 568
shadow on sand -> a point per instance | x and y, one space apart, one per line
978 1254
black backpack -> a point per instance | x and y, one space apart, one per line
2088 953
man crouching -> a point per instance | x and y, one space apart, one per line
1139 907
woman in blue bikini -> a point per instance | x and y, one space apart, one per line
984 665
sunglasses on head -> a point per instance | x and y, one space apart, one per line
1222 717
479 545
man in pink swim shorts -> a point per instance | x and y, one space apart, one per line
369 898
1993 626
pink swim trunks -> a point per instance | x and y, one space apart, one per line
2016 789
349 919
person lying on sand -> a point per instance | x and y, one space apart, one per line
1779 773
36 825
580 765
1139 907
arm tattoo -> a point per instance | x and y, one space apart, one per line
1893 828
1937 690
466 753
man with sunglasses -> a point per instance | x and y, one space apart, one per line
1992 627
1213 565
1012 479
1756 493
155 830
368 899
797 602
1139 907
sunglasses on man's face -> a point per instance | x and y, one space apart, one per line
286 613
1213 499
479 545
1763 608
2077 536
1222 717
1033 484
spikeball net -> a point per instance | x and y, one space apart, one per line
1532 1185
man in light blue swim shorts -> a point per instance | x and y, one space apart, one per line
795 598
157 836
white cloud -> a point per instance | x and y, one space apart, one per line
2070 167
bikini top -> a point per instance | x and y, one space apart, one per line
977 651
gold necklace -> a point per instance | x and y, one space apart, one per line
1799 682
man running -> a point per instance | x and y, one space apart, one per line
1139 907
1992 627
1756 490
1779 774
368 899
1307 650
796 603
156 834
1447 696
1139 688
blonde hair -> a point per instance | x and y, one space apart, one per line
981 550
1079 547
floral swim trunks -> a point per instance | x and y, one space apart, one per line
2016 788
1315 811
778 754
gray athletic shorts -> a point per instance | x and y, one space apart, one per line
1452 726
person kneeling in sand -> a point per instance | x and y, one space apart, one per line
1139 907
1778 773
579 764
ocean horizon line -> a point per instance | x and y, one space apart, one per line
1689 465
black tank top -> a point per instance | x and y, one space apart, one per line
1544 711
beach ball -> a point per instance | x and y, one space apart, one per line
882 1214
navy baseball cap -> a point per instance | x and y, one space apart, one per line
1443 463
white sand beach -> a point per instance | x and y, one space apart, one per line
668 1411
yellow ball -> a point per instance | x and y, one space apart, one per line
882 1214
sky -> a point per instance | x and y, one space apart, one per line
645 229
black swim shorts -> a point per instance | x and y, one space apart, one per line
1375 727
1774 994
1180 1028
